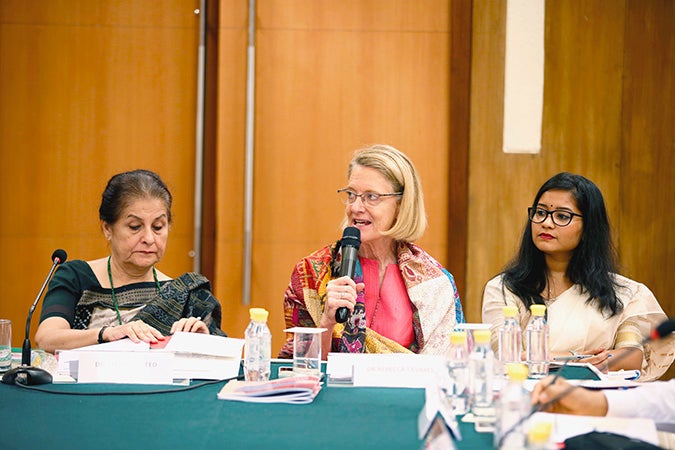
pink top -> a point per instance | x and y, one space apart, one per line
392 317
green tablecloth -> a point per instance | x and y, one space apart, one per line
383 418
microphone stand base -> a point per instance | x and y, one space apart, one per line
27 376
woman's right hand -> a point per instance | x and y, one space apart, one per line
137 331
340 292
600 359
567 399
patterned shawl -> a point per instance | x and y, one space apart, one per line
187 296
431 288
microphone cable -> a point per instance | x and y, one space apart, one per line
140 392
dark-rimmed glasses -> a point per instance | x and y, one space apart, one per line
368 198
560 217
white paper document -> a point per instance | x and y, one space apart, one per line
205 344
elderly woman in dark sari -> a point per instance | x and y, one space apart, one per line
123 295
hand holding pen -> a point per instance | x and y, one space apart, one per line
561 397
599 357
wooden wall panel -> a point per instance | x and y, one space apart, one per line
581 130
647 241
332 77
608 110
229 176
88 89
647 189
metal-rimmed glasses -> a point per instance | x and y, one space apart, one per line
560 217
368 198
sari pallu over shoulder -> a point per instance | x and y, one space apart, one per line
186 296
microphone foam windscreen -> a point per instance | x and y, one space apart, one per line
351 236
61 255
665 328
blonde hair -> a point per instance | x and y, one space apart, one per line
395 166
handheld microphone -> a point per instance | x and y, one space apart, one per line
349 247
664 329
25 374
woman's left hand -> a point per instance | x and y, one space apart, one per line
190 325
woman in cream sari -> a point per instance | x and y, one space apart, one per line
567 262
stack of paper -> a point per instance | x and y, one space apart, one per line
297 389
182 356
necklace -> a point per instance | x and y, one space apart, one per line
112 289
379 298
377 306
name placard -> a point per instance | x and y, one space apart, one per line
125 367
385 370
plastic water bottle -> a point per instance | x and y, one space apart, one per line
538 435
257 346
536 337
456 389
510 344
513 405
481 375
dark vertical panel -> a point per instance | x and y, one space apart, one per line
211 89
458 169
647 236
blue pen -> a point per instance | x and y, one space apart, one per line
572 358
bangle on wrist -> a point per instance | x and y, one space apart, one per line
100 335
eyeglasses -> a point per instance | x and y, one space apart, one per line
560 217
368 198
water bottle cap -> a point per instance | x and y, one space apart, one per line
517 371
538 310
458 337
510 311
258 314
539 432
481 336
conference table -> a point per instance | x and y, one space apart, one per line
114 416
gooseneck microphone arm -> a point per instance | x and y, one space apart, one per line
59 256
664 329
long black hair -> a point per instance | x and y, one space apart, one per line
593 262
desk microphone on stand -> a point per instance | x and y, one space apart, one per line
664 329
26 374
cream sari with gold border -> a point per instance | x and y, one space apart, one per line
576 325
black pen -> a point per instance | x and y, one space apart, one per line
536 407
